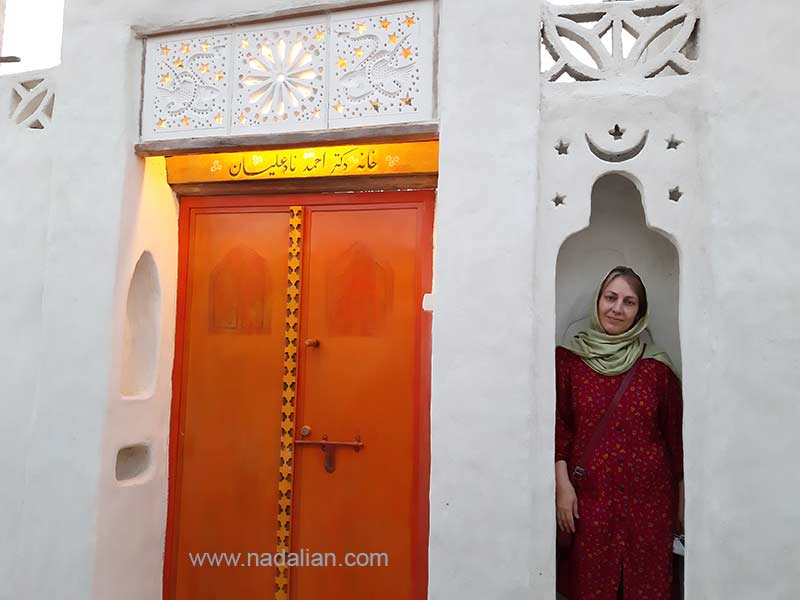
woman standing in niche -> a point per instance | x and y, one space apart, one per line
619 478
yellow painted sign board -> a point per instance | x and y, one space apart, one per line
325 161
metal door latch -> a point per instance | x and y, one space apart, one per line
329 448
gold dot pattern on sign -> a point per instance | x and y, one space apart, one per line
284 524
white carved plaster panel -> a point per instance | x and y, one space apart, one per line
382 65
280 79
32 103
369 66
632 39
186 86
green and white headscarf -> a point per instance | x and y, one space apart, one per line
613 354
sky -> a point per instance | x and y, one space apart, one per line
32 31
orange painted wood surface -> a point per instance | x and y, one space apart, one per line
362 300
232 380
366 265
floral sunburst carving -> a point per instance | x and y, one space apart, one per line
282 77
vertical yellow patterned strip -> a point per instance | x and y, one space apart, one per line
289 395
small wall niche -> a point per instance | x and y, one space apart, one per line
132 461
141 330
618 235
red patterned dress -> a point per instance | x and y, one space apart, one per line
628 501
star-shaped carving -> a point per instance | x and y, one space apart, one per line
675 193
178 62
617 132
165 78
204 46
218 118
376 105
361 28
219 75
359 52
406 52
338 107
562 148
410 21
204 68
316 113
165 50
162 123
320 35
185 49
185 121
242 118
559 199
385 23
393 38
245 44
673 143
342 62
406 100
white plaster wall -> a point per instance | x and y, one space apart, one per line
747 517
487 524
77 213
131 515
78 210
27 158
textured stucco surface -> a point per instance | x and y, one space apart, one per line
79 209
484 540
746 519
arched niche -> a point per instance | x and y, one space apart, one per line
141 329
618 235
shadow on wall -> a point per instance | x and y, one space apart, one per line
618 235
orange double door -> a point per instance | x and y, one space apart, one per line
299 456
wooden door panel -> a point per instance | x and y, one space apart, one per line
365 267
362 294
228 461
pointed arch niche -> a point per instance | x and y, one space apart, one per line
141 330
618 235
609 220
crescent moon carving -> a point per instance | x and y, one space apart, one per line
617 156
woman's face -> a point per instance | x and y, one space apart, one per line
617 307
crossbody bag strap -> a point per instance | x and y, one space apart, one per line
579 472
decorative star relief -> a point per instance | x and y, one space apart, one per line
190 90
673 143
370 65
675 194
562 148
378 66
559 200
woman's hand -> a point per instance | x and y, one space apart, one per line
566 499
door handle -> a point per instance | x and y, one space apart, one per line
312 343
329 447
